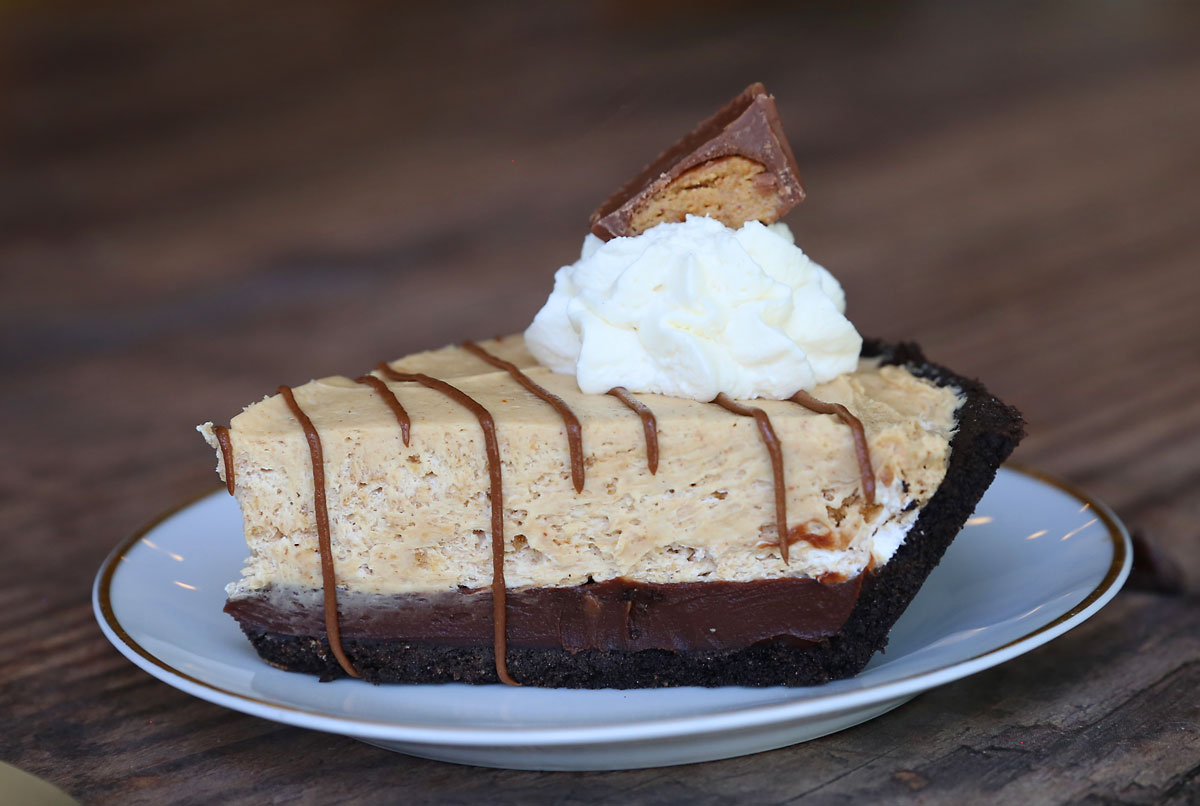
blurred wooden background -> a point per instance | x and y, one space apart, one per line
202 200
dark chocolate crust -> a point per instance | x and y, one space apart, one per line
988 430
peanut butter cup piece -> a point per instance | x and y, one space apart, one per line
735 167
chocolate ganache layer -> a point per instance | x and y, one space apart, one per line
616 615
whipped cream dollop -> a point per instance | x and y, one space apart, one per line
693 309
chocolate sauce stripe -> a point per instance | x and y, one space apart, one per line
862 451
649 424
222 435
570 421
775 450
393 403
496 498
328 577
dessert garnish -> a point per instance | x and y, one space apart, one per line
736 166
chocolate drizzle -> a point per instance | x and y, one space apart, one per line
222 435
393 403
570 421
328 579
767 432
495 495
649 424
861 451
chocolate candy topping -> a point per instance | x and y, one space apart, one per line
736 167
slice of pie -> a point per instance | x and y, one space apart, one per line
666 568
690 470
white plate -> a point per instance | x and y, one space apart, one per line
1036 560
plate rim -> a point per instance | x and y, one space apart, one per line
820 705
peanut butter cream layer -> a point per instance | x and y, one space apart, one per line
417 517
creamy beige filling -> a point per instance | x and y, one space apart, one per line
417 518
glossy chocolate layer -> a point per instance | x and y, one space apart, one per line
612 615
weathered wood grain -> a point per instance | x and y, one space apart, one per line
199 201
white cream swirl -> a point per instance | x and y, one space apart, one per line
693 309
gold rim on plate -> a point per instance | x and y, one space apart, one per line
1116 533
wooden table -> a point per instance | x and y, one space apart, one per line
200 201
